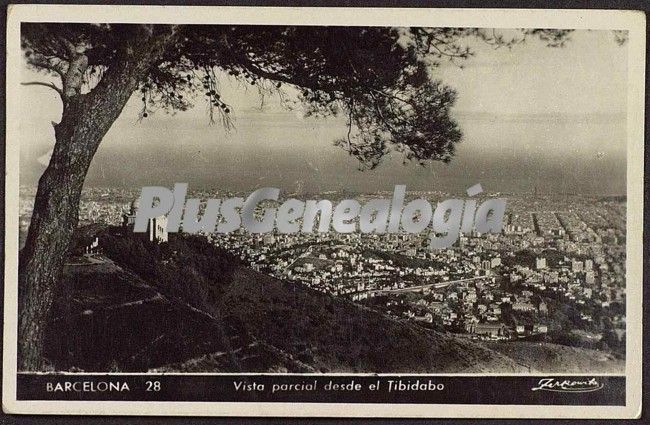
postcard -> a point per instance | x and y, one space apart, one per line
332 212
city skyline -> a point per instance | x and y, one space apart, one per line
552 249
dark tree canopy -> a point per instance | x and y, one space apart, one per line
381 79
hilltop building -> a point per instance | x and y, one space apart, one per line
156 228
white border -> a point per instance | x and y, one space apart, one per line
632 21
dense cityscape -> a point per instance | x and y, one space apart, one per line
557 268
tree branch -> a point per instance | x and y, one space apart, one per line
42 83
46 63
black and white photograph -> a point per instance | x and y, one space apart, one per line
227 206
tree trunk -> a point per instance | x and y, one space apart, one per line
85 120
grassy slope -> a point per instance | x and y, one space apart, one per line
335 335
547 357
191 315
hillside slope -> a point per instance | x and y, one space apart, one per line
548 357
187 306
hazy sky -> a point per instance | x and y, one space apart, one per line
531 116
